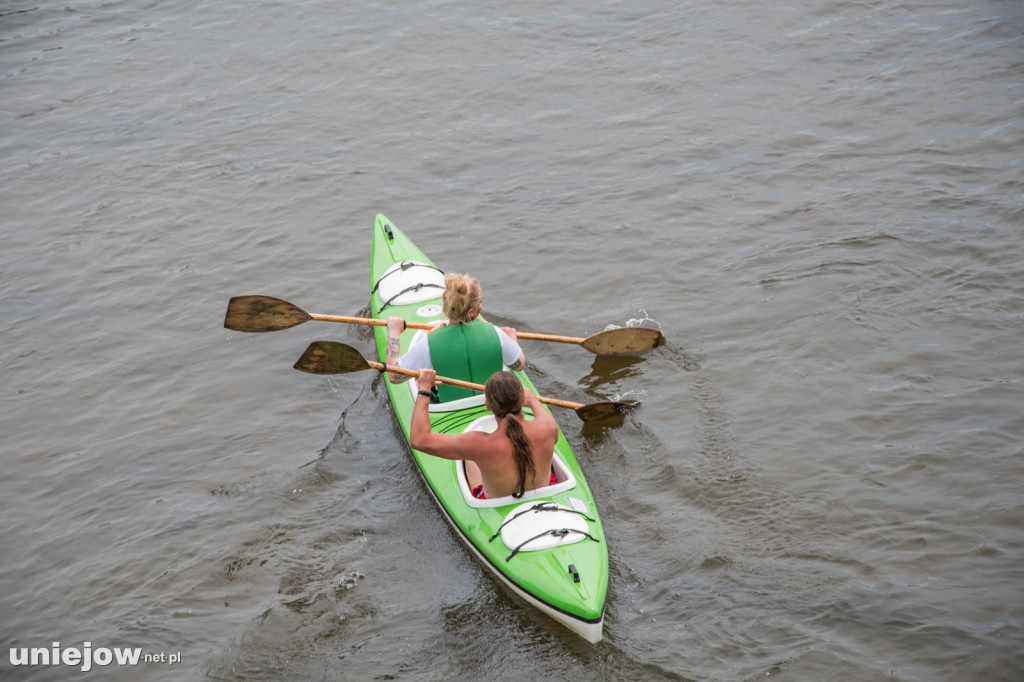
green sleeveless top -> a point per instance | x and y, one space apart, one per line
470 351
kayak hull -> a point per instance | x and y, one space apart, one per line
547 546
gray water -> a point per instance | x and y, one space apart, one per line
819 203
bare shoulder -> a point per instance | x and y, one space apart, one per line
543 425
543 418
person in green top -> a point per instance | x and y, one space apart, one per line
465 347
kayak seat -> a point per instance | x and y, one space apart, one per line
564 476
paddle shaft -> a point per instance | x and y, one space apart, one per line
255 313
381 367
417 325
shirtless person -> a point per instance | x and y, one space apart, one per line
510 461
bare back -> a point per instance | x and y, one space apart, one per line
490 457
496 462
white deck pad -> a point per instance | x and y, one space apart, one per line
527 527
398 286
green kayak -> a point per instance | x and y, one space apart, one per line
547 546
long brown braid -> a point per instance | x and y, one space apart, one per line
504 396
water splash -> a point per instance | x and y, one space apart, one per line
633 395
646 321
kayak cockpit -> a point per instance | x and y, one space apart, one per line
564 476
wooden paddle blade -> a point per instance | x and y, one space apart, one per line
262 314
331 357
604 410
623 340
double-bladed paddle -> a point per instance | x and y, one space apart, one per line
268 314
333 357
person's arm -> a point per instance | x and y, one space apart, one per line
444 445
396 326
519 363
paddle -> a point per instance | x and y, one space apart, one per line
332 357
268 314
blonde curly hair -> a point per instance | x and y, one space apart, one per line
461 294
